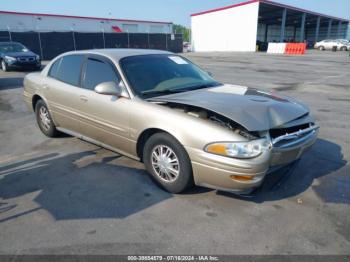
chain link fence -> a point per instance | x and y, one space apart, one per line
51 44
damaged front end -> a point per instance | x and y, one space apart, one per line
213 117
289 143
278 142
287 135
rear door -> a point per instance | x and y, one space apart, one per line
61 89
328 44
105 118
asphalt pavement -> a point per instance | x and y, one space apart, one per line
66 196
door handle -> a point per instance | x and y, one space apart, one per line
83 98
45 87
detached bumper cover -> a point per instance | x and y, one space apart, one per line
290 147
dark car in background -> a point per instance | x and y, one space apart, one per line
14 55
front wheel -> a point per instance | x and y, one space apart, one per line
321 48
44 119
37 68
4 66
343 48
168 163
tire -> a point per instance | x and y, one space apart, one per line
4 66
37 68
169 180
321 48
343 48
42 113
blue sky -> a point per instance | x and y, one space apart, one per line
177 11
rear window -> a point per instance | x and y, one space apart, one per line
68 70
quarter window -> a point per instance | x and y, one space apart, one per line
69 69
97 72
54 68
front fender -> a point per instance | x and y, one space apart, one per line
188 130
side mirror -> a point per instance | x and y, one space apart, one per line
109 88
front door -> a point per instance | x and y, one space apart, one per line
105 118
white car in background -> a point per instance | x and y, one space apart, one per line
328 44
186 47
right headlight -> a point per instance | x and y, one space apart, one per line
241 150
10 59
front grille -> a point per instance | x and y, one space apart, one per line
274 133
287 137
26 59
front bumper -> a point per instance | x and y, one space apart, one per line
216 172
36 64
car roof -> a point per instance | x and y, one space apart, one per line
119 53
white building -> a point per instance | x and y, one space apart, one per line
241 27
21 22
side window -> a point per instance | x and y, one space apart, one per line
70 68
54 68
97 72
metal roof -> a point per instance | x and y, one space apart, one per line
83 17
267 2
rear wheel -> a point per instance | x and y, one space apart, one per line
44 119
4 66
321 48
343 48
168 163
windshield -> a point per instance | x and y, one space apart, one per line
12 47
154 75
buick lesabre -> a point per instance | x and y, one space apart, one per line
159 108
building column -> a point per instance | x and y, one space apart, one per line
283 24
266 31
302 29
339 29
329 28
317 28
294 34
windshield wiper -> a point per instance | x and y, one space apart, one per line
179 90
196 87
161 92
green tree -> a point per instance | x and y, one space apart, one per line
180 29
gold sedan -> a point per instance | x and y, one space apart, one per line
161 109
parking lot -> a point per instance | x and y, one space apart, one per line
66 196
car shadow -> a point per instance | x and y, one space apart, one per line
85 186
7 83
322 168
78 186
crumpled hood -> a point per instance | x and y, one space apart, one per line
253 109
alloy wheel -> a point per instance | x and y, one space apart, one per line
165 163
45 118
3 66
